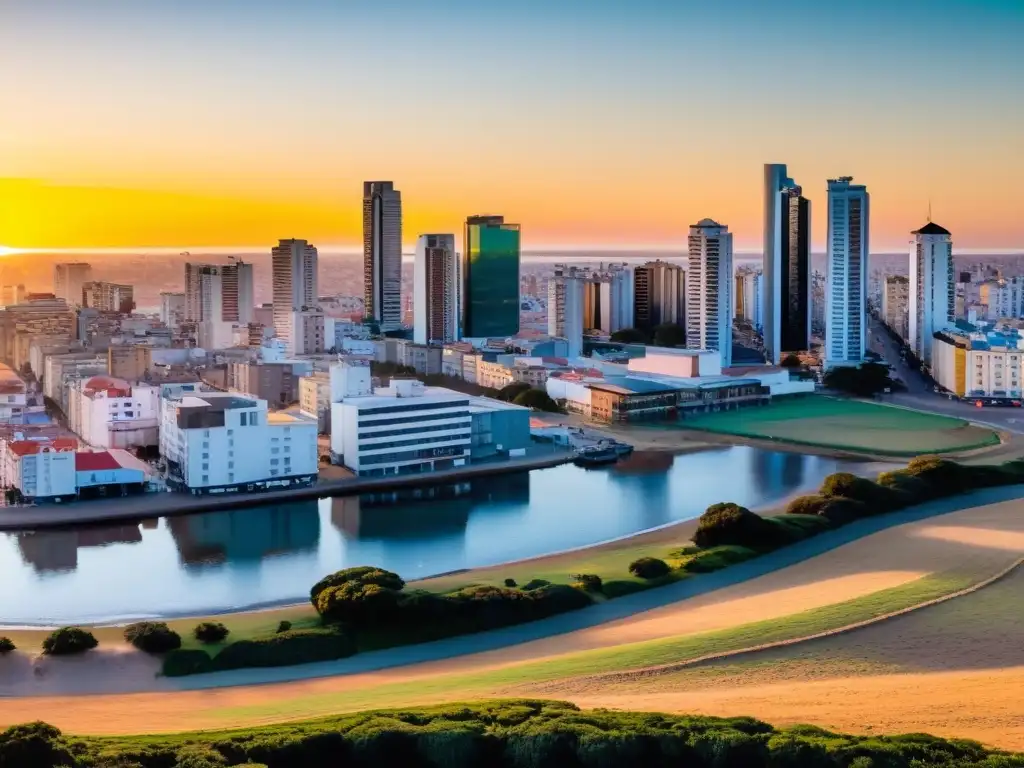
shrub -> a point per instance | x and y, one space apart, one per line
210 632
535 584
588 582
190 661
840 511
708 560
649 568
6 645
944 477
357 603
152 637
510 583
621 588
911 489
284 626
34 745
300 646
806 505
732 524
363 574
877 498
69 640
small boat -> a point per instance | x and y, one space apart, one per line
621 449
596 456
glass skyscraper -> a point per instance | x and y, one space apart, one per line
490 278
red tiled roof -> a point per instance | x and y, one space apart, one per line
90 462
29 447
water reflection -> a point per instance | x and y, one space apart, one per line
246 534
57 551
775 473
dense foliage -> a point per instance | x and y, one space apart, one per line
68 640
6 645
732 524
863 380
510 392
630 336
649 568
537 399
282 649
210 632
669 335
588 582
152 637
502 734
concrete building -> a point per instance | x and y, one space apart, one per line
1007 299
13 396
436 290
382 253
896 305
933 296
68 280
217 297
12 294
295 287
979 364
108 297
112 413
660 295
847 264
62 370
565 306
276 382
608 298
709 288
220 442
315 399
749 292
786 267
131 362
39 315
42 469
172 308
490 278
818 285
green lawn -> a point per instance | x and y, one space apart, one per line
832 422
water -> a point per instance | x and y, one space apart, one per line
265 555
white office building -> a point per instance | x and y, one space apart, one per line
217 298
709 289
933 292
382 253
68 280
403 428
435 290
1006 300
847 278
222 442
107 412
566 291
294 265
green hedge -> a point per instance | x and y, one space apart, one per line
504 734
282 649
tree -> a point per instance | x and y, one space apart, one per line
630 336
791 360
669 335
537 399
68 640
210 632
864 380
152 637
510 392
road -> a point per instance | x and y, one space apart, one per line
919 394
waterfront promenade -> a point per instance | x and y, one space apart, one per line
169 503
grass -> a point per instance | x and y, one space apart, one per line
626 657
829 422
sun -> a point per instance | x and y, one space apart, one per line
5 251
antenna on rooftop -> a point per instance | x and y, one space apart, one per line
929 210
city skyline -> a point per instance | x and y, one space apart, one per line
588 141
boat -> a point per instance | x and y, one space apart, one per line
596 456
621 449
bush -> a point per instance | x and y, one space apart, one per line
876 498
152 637
621 588
210 632
943 477
300 646
840 511
34 745
358 603
588 582
190 661
806 505
911 489
363 574
6 645
284 626
510 583
533 584
69 640
715 559
537 399
729 523
649 568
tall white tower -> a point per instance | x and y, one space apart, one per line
709 289
565 307
847 277
932 287
295 289
382 253
435 290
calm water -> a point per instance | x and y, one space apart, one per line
244 558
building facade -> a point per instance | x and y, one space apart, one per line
172 309
933 292
436 290
68 280
709 289
489 301
786 325
608 300
979 365
107 412
566 294
108 297
847 264
295 268
659 295
896 305
382 253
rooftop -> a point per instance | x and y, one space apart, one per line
33 446
931 228
95 461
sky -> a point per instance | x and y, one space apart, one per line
592 123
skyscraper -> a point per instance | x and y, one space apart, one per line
233 284
659 295
566 291
295 289
608 298
932 287
489 303
382 253
847 265
709 288
435 290
786 266
68 279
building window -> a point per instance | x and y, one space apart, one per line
206 479
206 467
231 465
274 462
206 455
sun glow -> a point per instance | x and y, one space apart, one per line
5 251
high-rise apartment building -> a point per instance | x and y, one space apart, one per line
294 265
709 289
108 297
933 291
489 301
748 296
608 298
382 253
659 295
68 279
435 290
172 308
219 292
786 266
566 291
896 304
847 264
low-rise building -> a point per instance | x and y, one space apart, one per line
13 396
275 382
61 371
979 364
41 469
108 412
315 399
109 473
222 442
